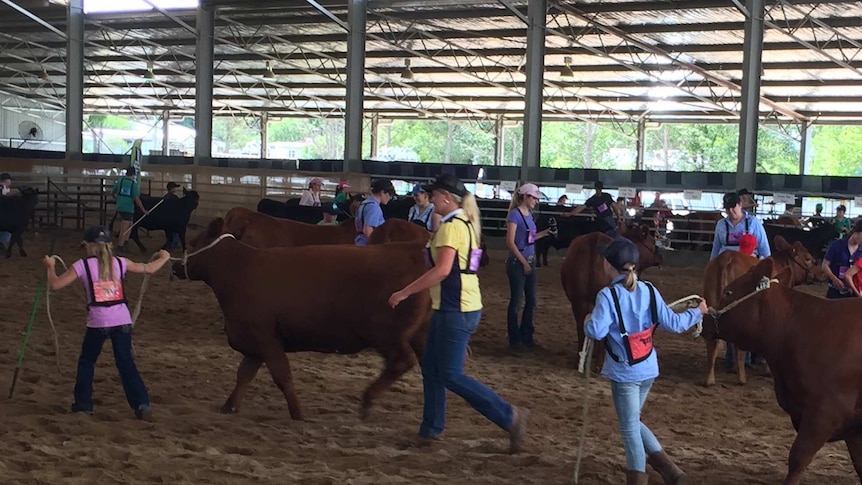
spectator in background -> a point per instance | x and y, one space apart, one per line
341 194
6 190
173 238
746 200
729 231
311 196
817 219
422 212
128 195
841 223
842 254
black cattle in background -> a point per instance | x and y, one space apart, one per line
300 213
16 212
568 228
171 216
816 240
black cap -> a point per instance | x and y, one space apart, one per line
130 171
619 253
841 208
5 176
742 192
331 209
447 182
97 234
172 185
731 200
599 185
382 185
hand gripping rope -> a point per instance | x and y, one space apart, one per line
585 356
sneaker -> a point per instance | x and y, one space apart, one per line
144 412
76 409
518 429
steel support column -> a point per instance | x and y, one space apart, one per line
354 105
750 114
641 144
375 134
535 69
205 26
264 134
75 80
166 141
499 140
805 148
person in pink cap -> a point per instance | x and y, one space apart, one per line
311 195
521 237
341 194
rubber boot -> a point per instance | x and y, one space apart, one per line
671 473
634 477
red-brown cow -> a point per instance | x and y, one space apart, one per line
583 273
262 231
730 265
330 299
398 230
812 346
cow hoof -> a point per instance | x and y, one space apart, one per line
227 409
709 383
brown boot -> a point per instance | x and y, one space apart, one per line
636 478
671 473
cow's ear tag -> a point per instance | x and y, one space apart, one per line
764 283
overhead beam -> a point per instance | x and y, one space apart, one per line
331 16
34 17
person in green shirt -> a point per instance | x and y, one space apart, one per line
128 195
841 223
330 213
341 193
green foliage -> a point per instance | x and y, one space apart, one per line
587 145
235 132
836 150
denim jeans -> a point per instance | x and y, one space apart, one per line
521 284
121 339
611 229
443 368
5 239
173 239
730 356
638 441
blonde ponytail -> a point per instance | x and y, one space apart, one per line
517 198
631 280
471 210
105 257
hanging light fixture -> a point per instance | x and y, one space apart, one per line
44 75
149 76
407 73
270 74
566 70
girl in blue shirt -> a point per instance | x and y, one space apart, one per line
521 237
624 318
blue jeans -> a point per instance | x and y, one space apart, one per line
521 284
133 385
730 356
5 239
611 229
443 368
173 239
638 440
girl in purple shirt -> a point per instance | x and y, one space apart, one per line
102 275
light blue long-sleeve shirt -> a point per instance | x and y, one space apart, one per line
635 308
755 228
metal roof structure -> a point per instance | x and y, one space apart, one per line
619 60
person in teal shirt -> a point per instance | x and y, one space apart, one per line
841 223
127 192
341 193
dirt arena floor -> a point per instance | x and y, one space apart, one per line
722 435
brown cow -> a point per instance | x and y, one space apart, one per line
730 265
812 346
263 231
398 230
583 273
330 299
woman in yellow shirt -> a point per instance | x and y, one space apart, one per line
453 255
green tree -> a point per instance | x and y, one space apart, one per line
777 152
235 132
836 150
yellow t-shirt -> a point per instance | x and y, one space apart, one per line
459 292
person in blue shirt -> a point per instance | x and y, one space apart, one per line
521 237
369 215
634 309
730 230
423 213
841 256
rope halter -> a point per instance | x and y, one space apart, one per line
187 255
763 285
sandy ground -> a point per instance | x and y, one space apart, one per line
722 435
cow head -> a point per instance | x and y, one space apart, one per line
801 262
753 280
185 269
644 238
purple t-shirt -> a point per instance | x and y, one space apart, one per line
523 230
103 316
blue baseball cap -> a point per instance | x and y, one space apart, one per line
417 189
619 253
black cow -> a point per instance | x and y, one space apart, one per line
16 212
295 212
172 216
816 240
398 208
568 228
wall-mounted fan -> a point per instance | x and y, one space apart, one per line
28 131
